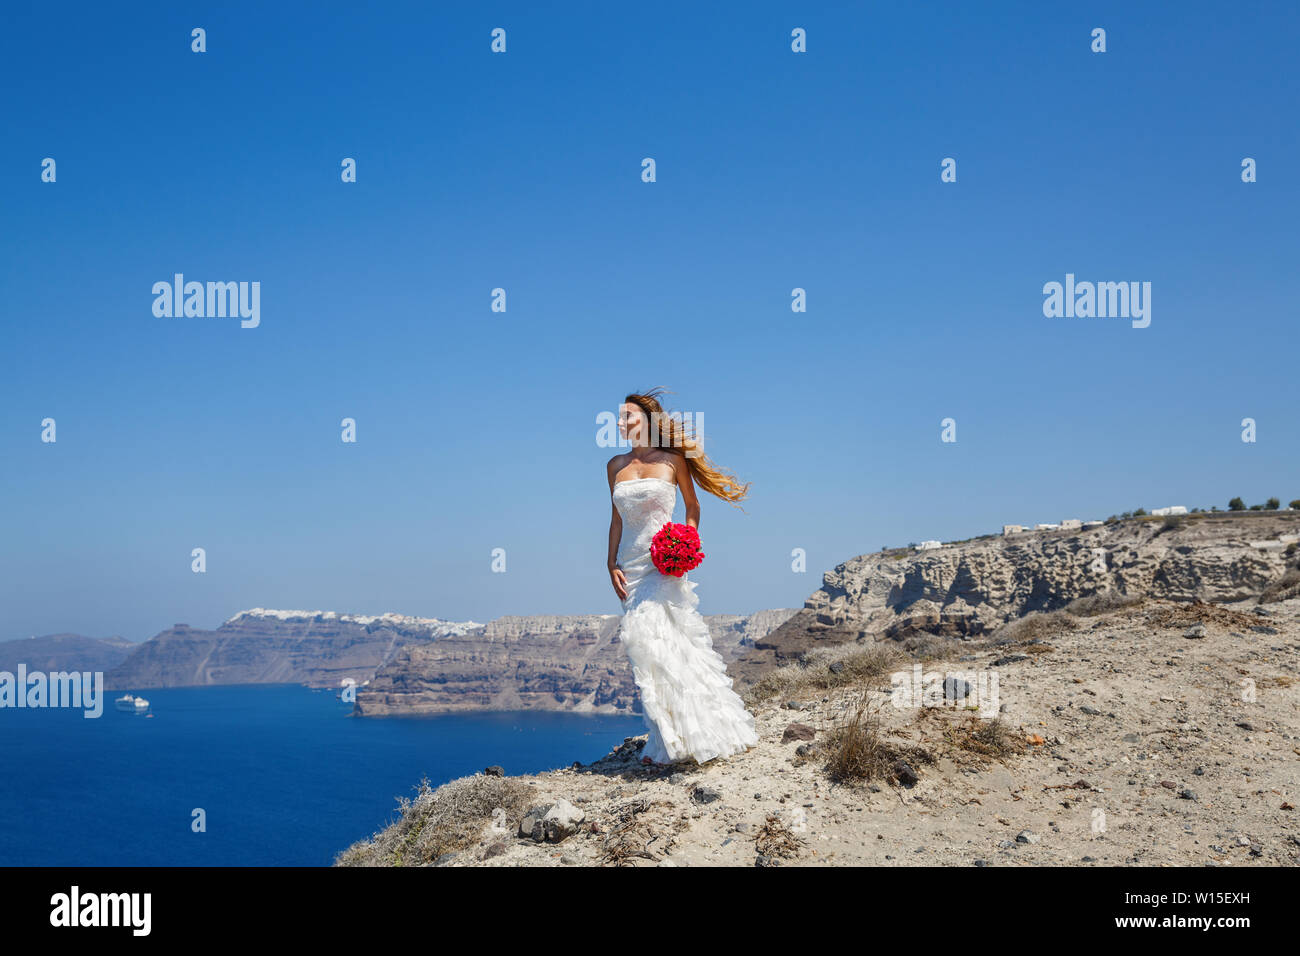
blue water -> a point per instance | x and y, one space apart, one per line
285 775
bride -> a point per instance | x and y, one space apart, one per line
688 702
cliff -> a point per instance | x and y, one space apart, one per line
571 662
64 652
410 665
316 648
968 588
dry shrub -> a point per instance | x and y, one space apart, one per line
847 666
440 821
987 738
933 647
1200 612
855 749
1034 626
774 839
632 833
1103 602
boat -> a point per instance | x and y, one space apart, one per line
136 705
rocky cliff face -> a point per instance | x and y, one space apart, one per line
319 649
408 665
64 652
571 662
967 588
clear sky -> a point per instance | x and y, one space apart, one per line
775 170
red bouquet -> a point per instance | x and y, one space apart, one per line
676 549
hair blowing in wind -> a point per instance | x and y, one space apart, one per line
673 437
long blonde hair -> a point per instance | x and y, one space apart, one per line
673 437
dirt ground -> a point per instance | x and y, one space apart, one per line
1158 734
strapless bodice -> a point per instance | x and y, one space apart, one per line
644 504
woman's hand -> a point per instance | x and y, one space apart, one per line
619 582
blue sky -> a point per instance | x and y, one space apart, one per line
775 170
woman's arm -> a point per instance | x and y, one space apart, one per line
687 485
616 577
615 536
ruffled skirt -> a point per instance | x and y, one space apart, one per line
687 698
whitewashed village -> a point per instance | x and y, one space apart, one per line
1072 524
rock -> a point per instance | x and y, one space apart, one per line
1132 738
534 662
1009 659
969 589
1196 630
531 825
798 732
1092 711
1027 836
677 779
704 794
445 859
1246 725
569 860
496 849
1187 794
495 771
561 821
1264 629
905 774
836 667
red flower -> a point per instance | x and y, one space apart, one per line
676 549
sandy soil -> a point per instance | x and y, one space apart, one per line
1152 752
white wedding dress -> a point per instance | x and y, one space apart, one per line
686 696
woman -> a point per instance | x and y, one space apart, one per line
686 696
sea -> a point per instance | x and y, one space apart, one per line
277 774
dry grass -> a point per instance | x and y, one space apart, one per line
855 750
775 840
630 837
849 665
1103 602
932 647
1200 612
985 738
1034 626
440 821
